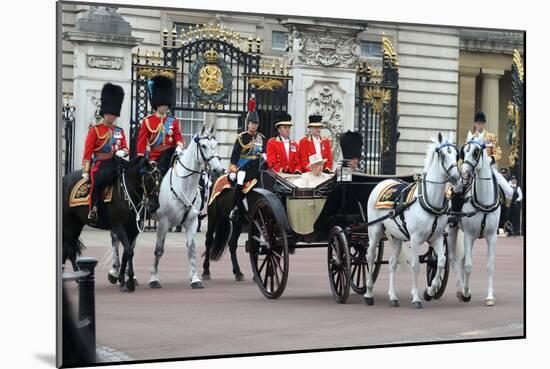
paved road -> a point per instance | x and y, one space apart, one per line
229 317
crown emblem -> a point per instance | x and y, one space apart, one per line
211 56
328 42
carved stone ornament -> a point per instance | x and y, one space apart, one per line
327 49
331 108
104 62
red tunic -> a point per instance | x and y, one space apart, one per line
307 148
101 143
277 158
158 135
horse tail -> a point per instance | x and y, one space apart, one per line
221 237
72 248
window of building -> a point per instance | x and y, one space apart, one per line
371 49
184 26
279 40
190 121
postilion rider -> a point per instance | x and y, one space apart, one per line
160 132
248 147
314 143
104 141
494 152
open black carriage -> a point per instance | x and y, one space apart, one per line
283 217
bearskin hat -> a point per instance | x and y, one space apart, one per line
161 91
351 144
111 99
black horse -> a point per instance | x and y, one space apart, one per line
135 192
221 231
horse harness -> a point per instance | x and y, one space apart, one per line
187 208
400 206
485 209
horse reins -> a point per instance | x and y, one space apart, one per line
192 172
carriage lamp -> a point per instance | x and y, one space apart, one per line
345 173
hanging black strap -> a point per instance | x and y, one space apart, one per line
483 225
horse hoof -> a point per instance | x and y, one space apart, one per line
464 298
196 285
112 279
123 288
136 281
490 302
417 305
394 303
155 284
239 277
369 301
131 286
206 277
427 297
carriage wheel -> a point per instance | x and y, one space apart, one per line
339 264
268 249
431 268
360 268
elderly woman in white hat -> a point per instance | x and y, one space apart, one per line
315 176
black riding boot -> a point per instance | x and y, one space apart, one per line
237 197
92 215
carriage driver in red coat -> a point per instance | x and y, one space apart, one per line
104 141
313 143
282 152
160 132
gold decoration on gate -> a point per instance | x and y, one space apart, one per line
211 77
266 84
378 97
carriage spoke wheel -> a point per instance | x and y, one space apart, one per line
339 264
359 266
431 269
268 249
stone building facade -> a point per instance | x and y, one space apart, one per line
445 74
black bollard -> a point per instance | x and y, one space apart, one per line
86 302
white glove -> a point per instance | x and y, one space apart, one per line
179 150
86 176
232 176
120 153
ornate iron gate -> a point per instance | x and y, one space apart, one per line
376 102
516 119
67 119
216 71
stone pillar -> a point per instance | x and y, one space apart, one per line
467 102
323 58
490 97
103 45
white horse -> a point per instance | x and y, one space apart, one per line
179 199
423 220
480 217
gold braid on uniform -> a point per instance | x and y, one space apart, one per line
106 137
155 132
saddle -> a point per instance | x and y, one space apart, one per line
396 192
80 194
224 183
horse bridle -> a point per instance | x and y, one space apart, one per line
155 175
206 160
442 161
479 156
